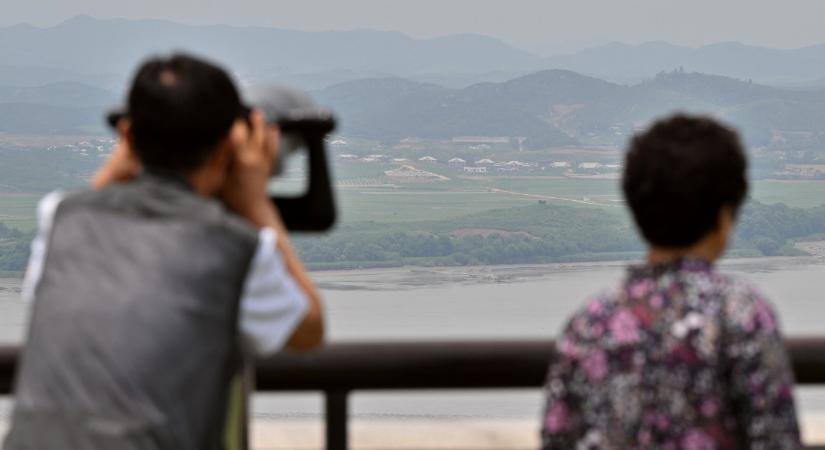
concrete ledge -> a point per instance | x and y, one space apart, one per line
432 434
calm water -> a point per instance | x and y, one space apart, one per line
488 302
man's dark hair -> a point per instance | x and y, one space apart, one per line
679 175
180 107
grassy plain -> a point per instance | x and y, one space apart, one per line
18 210
362 199
461 196
802 194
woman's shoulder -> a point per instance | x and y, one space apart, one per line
743 305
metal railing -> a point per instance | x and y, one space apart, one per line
339 369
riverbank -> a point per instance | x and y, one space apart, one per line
408 277
813 248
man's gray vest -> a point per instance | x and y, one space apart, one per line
133 336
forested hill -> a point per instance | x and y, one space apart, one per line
558 107
550 108
538 234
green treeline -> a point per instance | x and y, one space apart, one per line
771 228
528 234
537 234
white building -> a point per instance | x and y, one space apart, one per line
589 165
517 164
481 140
457 161
475 169
428 159
409 172
485 162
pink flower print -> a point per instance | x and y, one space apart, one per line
710 407
765 316
685 353
595 307
624 327
558 419
595 366
567 349
657 301
641 288
662 422
696 439
644 314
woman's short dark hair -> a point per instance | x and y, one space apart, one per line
679 175
180 108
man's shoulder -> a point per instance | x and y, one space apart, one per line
153 203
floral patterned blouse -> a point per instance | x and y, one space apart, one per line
680 357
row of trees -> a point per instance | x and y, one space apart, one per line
538 234
531 234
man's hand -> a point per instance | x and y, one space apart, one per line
122 165
253 147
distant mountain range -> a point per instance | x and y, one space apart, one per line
104 52
388 86
548 108
109 50
632 63
558 107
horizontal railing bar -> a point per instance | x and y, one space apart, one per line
431 365
452 365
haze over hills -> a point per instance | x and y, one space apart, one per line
549 108
104 52
631 63
112 48
556 107
388 86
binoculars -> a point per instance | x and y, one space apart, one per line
304 126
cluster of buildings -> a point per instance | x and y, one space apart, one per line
416 167
100 147
486 165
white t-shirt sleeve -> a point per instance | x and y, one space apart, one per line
272 305
46 209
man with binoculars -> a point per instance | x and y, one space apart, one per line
148 289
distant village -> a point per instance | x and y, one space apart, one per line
98 147
424 166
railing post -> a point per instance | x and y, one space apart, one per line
337 416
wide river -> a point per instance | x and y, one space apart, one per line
502 302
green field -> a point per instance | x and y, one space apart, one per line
456 198
397 205
802 194
18 210
460 197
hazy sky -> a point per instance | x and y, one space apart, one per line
538 25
